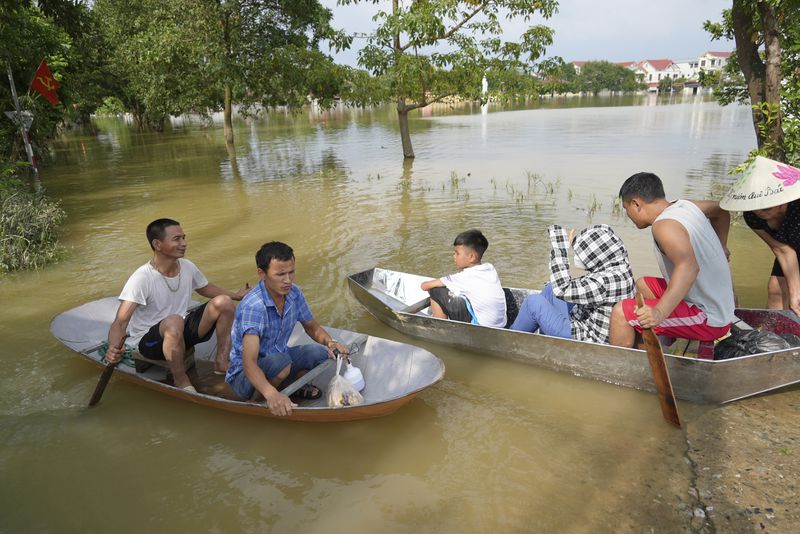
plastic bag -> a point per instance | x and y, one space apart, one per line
749 342
792 339
340 391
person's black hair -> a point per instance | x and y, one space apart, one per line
274 250
157 229
473 239
644 185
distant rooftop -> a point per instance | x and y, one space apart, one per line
659 64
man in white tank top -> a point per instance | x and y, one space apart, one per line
694 299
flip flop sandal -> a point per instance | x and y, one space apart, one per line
307 392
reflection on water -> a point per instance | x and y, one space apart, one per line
496 445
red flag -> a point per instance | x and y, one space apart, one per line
45 84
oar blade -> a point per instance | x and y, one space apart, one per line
666 398
101 384
655 356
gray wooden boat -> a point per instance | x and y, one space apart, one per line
394 372
396 299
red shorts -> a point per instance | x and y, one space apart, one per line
686 321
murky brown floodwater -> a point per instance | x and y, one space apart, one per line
497 446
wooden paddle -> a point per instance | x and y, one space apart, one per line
105 377
660 376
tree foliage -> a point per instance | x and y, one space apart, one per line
557 76
765 70
204 55
596 76
66 35
426 51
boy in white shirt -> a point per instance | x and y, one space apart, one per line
473 295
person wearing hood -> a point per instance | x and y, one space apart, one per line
580 308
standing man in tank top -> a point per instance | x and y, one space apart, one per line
694 299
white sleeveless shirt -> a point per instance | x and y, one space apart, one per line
712 291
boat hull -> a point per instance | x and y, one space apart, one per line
695 380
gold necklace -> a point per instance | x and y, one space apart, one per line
165 279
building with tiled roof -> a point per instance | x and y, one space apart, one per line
713 61
656 70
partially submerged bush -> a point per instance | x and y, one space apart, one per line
28 226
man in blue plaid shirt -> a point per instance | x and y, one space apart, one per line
260 359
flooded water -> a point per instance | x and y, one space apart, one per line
496 446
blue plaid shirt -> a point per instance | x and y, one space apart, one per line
257 314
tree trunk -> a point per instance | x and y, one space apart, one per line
402 109
227 114
405 135
772 85
750 62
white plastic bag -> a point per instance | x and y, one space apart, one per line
340 391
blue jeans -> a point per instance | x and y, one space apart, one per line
545 312
299 357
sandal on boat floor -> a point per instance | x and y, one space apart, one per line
305 393
190 389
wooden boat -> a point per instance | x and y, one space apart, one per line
396 299
394 372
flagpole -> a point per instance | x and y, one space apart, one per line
22 129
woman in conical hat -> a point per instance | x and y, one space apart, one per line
768 194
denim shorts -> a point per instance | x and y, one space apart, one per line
299 357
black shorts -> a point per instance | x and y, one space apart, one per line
453 305
151 345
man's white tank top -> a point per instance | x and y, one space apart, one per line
712 291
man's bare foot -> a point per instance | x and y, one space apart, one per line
181 382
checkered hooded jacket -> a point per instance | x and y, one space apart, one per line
609 278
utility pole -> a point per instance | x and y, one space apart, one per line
23 128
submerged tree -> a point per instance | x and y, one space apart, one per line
766 33
199 55
596 76
557 76
425 51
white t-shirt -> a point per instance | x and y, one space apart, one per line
481 285
154 294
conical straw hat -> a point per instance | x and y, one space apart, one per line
764 184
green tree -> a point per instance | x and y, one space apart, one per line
29 221
596 76
205 55
556 75
27 37
86 77
510 84
425 51
65 34
767 58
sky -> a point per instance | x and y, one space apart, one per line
612 30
